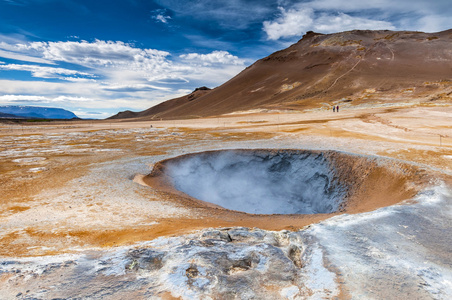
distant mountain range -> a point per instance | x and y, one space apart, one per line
34 112
354 67
9 116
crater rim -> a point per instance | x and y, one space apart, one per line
368 179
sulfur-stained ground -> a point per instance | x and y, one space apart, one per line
67 188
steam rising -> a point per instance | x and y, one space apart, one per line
259 182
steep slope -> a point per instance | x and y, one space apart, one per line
165 107
355 67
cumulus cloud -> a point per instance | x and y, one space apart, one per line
215 57
296 21
106 59
329 16
47 72
98 53
292 22
77 95
112 75
120 62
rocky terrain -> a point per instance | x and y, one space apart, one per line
353 68
80 219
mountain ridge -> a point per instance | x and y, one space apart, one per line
358 66
36 112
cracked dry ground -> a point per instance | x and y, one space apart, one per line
68 188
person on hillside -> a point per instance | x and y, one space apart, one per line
334 108
337 108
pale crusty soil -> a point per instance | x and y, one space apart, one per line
61 190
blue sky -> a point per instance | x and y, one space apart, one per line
97 58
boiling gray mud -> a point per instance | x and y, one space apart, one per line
260 181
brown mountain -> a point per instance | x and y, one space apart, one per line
356 67
164 109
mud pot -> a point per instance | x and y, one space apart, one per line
266 181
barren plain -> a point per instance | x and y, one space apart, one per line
79 220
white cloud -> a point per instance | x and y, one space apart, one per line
298 20
215 57
77 79
433 23
162 18
407 7
70 98
121 62
116 61
292 22
91 115
160 15
22 98
34 98
231 14
21 57
343 22
135 87
111 75
329 16
98 53
47 72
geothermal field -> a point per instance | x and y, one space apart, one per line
261 204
